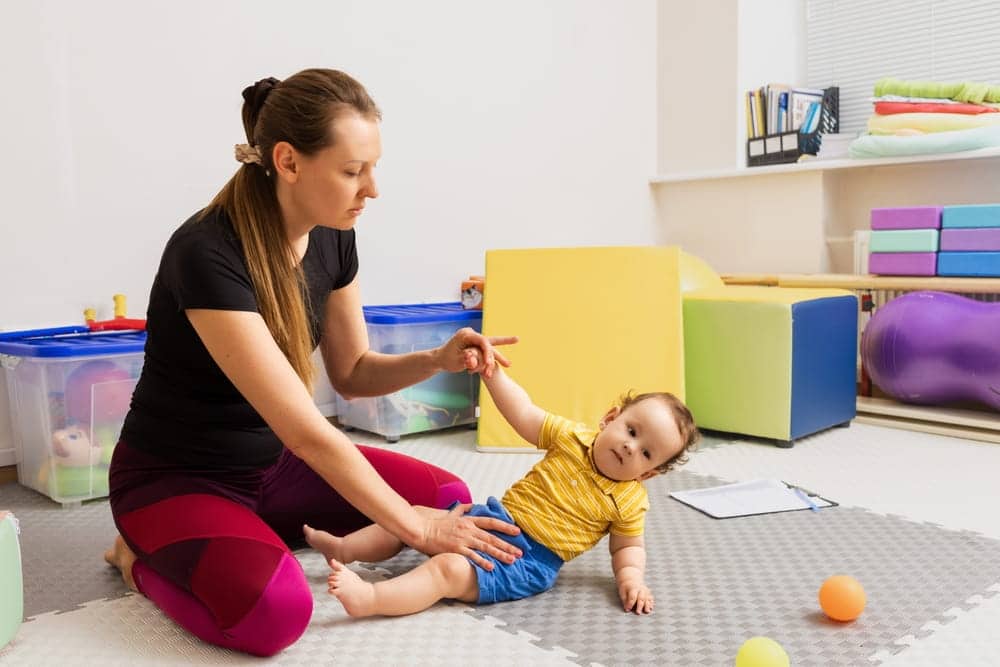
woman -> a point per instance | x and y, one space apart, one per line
224 456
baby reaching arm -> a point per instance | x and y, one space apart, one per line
628 560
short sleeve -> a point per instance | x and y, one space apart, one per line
347 251
205 270
555 429
634 523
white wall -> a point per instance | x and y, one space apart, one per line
522 124
771 39
515 125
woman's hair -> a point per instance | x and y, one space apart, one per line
682 416
300 110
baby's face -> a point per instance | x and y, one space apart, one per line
633 442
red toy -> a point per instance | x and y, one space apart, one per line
120 321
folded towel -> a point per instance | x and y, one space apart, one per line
871 146
917 123
888 108
968 91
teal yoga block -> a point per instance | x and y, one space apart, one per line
904 240
12 599
971 215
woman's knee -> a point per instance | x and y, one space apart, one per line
280 614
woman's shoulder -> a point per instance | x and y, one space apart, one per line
208 230
207 224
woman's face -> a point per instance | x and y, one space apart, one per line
332 186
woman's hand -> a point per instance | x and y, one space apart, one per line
473 352
467 535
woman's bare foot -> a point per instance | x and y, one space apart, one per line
122 557
327 544
356 594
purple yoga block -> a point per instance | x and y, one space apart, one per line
981 238
903 263
907 217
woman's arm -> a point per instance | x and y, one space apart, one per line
355 370
242 346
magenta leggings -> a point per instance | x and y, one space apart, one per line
211 544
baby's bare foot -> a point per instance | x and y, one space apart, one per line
122 557
327 544
356 594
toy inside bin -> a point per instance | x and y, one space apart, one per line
69 391
442 401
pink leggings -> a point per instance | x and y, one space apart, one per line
211 544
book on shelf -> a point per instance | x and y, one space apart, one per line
801 102
758 496
786 122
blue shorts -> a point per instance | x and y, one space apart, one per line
529 575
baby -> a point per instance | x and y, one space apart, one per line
588 484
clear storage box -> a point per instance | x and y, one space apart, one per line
442 401
69 391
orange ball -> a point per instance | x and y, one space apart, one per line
842 598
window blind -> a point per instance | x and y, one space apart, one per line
853 43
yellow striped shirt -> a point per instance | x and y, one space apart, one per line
565 503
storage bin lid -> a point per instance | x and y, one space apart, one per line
417 313
73 341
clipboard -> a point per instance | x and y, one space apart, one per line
751 498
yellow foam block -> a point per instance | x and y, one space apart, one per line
593 323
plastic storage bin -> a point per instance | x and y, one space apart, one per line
69 391
11 583
444 400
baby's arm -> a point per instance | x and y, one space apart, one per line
628 560
515 405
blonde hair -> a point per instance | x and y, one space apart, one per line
682 417
300 110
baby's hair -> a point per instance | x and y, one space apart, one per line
682 416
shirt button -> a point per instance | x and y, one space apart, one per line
573 482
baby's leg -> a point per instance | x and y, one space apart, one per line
370 544
443 576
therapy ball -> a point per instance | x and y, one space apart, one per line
761 652
842 598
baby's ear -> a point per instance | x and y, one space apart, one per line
609 416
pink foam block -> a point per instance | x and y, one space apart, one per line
907 217
903 263
982 238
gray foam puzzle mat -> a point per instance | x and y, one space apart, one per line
719 582
62 548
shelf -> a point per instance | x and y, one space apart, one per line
859 282
814 164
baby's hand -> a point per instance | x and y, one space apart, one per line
636 596
472 358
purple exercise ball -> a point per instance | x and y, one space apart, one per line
934 348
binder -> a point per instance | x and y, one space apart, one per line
785 147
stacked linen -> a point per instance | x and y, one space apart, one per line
921 117
904 241
970 241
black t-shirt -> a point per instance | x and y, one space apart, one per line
184 408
